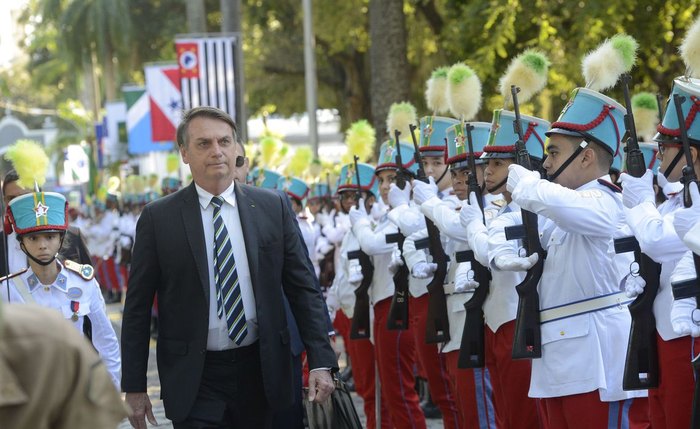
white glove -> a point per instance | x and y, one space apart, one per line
323 218
423 270
470 212
667 187
396 261
637 190
378 210
517 174
634 285
510 263
398 196
422 191
356 214
322 246
354 273
464 279
685 317
686 218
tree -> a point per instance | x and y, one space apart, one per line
388 59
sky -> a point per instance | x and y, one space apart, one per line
9 9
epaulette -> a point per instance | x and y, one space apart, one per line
9 276
499 203
85 270
610 186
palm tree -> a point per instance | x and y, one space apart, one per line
95 34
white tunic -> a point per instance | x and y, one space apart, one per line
586 352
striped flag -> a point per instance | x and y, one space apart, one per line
163 87
207 72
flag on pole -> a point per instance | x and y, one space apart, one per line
138 121
163 87
207 72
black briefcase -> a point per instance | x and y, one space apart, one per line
338 412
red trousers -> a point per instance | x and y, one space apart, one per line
586 411
362 357
511 381
473 392
670 405
341 324
433 364
395 351
106 272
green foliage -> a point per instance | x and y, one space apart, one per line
487 34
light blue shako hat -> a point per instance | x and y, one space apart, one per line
458 146
502 135
347 180
593 117
38 212
651 156
318 191
433 134
388 157
294 187
668 131
265 178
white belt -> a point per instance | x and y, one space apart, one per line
450 289
616 299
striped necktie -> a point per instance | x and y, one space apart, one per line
228 292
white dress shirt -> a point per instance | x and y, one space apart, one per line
218 338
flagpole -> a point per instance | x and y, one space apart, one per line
310 75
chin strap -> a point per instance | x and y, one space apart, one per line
498 186
579 149
442 176
673 163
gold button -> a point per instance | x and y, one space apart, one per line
562 333
47 288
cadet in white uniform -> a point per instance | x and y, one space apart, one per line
39 220
579 376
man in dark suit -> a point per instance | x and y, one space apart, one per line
223 363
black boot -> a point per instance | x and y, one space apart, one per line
430 410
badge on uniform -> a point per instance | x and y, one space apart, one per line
74 293
74 307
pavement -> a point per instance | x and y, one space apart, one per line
153 384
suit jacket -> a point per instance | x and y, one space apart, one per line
169 258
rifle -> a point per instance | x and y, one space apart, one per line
471 349
360 319
527 341
437 328
329 199
642 360
398 311
692 288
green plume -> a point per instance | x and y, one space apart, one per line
627 47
